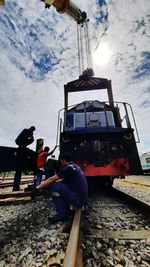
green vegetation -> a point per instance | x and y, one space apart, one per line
11 174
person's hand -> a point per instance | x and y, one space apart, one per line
36 192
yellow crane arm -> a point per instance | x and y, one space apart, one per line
68 7
64 6
2 2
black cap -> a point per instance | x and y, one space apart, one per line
65 156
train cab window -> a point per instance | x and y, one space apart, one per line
100 119
93 120
148 160
69 121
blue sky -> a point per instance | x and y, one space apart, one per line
39 55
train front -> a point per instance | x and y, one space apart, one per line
100 139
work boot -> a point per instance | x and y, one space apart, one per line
16 189
29 188
36 192
56 219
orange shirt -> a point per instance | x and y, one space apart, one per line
41 159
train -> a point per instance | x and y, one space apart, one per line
24 159
145 162
99 135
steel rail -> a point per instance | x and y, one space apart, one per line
72 250
15 194
15 197
11 178
9 184
8 180
132 201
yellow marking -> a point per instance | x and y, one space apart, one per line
134 182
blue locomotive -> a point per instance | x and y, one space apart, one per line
99 135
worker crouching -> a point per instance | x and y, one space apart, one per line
68 187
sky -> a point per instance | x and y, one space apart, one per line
38 55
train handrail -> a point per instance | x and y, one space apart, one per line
58 126
138 141
135 126
126 116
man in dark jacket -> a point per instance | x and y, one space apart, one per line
25 138
68 187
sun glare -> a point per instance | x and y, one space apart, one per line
102 54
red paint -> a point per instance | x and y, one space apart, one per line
119 166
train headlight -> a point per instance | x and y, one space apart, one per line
127 136
65 139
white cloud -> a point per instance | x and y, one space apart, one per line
29 32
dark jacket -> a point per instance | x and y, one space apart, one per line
25 138
51 167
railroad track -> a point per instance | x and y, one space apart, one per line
10 178
98 229
8 182
14 198
112 223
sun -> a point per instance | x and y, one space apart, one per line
102 54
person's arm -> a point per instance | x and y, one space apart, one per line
51 152
48 182
59 181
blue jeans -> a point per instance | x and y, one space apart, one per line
38 177
63 197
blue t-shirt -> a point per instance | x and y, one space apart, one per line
73 176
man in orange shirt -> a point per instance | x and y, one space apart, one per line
41 161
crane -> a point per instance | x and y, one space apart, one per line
64 6
2 2
13 159
84 50
68 7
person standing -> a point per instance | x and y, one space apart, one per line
24 139
73 189
51 167
41 162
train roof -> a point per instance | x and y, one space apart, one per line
145 154
88 83
91 105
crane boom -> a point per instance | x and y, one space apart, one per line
64 6
84 50
2 2
68 7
